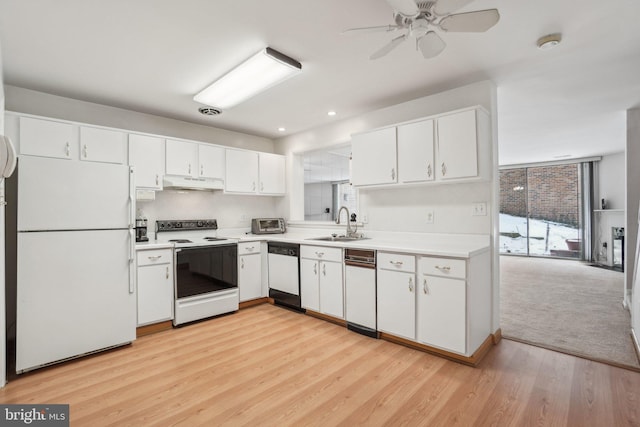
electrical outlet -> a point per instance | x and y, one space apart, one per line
243 217
365 219
479 209
429 217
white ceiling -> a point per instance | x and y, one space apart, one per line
154 55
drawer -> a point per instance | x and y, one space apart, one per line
321 253
155 256
444 267
396 262
246 248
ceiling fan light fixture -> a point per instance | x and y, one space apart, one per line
549 41
260 72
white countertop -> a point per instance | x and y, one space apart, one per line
447 245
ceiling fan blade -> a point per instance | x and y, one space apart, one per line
388 47
375 29
407 8
445 7
430 44
471 22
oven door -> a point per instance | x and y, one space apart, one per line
206 269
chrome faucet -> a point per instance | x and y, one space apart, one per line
350 232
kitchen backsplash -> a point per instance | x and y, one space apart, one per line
231 211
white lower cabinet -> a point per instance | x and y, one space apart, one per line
396 294
441 314
249 271
155 285
321 284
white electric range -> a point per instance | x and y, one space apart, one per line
206 269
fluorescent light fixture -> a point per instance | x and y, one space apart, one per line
263 70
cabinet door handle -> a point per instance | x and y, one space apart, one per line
154 258
201 169
324 269
261 186
396 263
189 168
68 149
424 287
429 170
446 269
393 173
315 269
410 284
167 273
241 262
84 150
444 169
157 179
254 186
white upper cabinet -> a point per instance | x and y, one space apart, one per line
146 155
241 171
211 161
255 173
457 146
103 145
374 158
182 158
415 152
48 138
272 174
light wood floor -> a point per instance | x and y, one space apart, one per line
269 366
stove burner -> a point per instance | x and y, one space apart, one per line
213 239
180 241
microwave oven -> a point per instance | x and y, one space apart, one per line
268 226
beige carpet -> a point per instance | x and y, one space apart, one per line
567 306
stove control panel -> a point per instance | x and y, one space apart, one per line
186 225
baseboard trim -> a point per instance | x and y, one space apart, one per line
472 360
497 336
636 343
326 317
253 302
152 329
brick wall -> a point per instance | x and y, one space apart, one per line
551 193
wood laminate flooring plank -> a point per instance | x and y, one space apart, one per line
268 366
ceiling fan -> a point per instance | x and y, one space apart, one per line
418 19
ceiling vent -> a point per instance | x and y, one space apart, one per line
209 111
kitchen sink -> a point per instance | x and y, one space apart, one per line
338 238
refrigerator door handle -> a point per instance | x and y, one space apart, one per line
132 198
132 265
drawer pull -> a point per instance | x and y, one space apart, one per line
446 269
319 254
154 258
396 263
249 248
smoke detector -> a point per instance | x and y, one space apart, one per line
549 41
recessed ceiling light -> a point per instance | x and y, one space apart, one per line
549 41
331 113
281 129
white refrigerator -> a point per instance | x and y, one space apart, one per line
75 275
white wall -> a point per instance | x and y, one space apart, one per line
611 179
631 227
3 340
404 209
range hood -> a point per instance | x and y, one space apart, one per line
171 182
